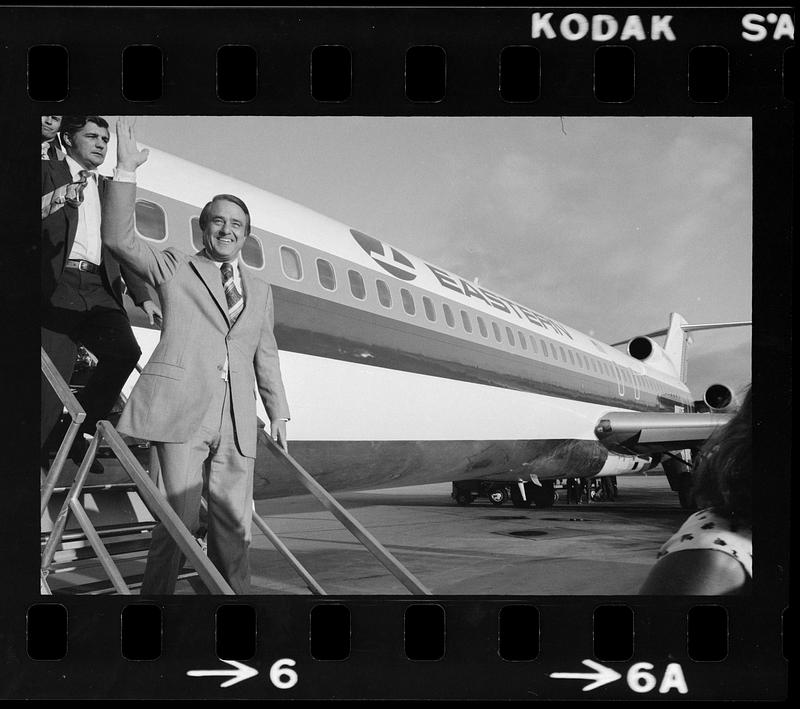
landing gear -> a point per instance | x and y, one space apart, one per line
541 496
685 493
516 495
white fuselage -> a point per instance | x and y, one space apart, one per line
399 371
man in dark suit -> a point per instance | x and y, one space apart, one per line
51 145
196 397
82 289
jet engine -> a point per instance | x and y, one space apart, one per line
720 398
646 350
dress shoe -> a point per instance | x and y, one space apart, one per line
78 452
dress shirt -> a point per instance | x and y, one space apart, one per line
87 244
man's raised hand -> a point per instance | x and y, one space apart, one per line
129 157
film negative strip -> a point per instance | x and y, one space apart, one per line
475 494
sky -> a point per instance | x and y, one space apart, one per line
607 224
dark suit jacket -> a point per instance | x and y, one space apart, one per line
55 151
58 236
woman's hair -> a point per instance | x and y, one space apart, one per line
723 471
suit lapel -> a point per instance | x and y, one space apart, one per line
64 177
209 273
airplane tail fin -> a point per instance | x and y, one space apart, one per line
676 342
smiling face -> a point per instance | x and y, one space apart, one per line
225 230
88 145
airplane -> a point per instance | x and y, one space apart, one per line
401 372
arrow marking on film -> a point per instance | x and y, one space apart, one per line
601 675
240 673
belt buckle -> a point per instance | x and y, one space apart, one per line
83 265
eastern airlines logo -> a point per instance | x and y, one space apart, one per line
388 258
392 261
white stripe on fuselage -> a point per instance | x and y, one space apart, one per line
334 400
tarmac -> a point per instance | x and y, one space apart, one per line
596 548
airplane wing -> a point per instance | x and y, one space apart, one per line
645 433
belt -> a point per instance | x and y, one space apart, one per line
82 265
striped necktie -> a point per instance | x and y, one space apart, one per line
232 295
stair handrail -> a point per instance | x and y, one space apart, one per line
411 582
77 416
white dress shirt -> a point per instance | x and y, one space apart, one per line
87 244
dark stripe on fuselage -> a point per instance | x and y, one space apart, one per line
354 465
317 326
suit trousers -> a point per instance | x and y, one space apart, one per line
210 460
82 310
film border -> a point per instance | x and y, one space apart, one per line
378 38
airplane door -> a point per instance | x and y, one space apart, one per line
620 383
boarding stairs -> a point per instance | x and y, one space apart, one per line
140 504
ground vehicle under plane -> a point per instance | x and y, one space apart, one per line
400 372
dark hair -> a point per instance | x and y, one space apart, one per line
228 198
723 474
70 125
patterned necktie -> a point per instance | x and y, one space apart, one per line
232 295
76 197
71 194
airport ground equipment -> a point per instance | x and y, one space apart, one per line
465 492
522 494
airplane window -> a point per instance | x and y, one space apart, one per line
510 336
197 234
430 313
496 330
563 355
523 341
356 284
252 253
544 348
571 358
533 343
151 220
466 321
291 264
448 315
384 294
482 327
553 350
327 276
408 301
594 364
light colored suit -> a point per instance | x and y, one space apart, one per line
172 400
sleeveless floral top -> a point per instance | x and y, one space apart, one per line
708 530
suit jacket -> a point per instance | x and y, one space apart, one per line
58 236
55 151
174 390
